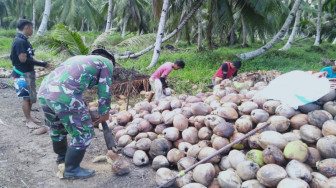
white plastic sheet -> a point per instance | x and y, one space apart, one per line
296 88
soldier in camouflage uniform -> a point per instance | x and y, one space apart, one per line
60 96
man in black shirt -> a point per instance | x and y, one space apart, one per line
23 60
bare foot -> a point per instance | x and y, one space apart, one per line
35 120
32 125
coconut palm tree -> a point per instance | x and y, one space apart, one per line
291 38
318 25
109 16
44 23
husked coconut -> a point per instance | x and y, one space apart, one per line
227 113
204 174
330 107
185 180
310 134
327 97
200 109
230 104
331 182
124 140
211 98
233 98
213 120
236 136
247 170
163 175
273 155
215 183
207 151
193 151
182 97
185 163
247 107
309 107
152 135
204 143
143 144
255 156
169 117
329 128
200 120
270 106
243 125
298 120
194 185
240 85
327 146
236 157
219 93
140 158
285 110
130 149
259 115
124 117
193 99
225 163
327 167
272 138
215 104
159 128
229 179
224 129
220 142
186 111
297 169
177 110
190 135
144 126
296 150
141 135
160 161
252 184
132 130
204 133
318 117
280 123
259 100
117 129
180 122
271 174
176 143
292 182
292 136
171 133
313 157
174 155
253 141
175 104
184 147
318 180
163 105
120 167
143 106
154 118
159 146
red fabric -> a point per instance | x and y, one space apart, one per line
229 73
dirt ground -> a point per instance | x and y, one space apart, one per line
27 160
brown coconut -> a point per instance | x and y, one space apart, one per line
297 169
273 155
327 167
174 155
124 117
310 134
318 180
227 113
160 161
169 117
234 98
159 146
331 182
180 122
252 184
235 157
327 146
185 163
152 135
200 109
143 106
292 136
236 136
272 138
259 115
154 118
224 129
159 128
204 174
140 135
327 97
163 175
124 140
143 144
271 174
193 151
279 123
253 141
175 104
224 163
247 107
309 107
270 106
186 111
171 133
329 128
140 158
204 133
220 142
247 170
190 135
292 182
298 120
243 125
204 143
213 120
207 151
330 107
229 178
184 147
185 180
318 117
120 167
313 157
285 110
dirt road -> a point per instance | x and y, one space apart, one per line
27 160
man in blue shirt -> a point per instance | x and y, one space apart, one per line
331 71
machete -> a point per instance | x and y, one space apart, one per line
110 143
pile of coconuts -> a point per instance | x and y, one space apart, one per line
297 149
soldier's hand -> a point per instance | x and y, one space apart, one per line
101 118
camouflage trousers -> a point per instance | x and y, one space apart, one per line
74 119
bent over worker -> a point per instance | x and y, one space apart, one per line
60 96
226 71
158 79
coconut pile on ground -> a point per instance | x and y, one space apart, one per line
297 149
5 73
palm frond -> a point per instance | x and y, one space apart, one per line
140 40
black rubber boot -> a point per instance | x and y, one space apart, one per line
73 158
60 148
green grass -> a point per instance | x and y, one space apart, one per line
5 63
8 33
5 44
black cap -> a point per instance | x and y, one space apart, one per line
21 23
104 53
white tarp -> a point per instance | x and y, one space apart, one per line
296 88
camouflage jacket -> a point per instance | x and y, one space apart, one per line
68 81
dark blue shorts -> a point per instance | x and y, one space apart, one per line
21 87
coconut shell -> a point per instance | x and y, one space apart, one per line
160 161
204 143
230 104
247 170
174 155
273 155
194 185
213 120
204 174
129 151
318 117
272 138
140 158
193 151
234 98
327 146
180 122
169 117
327 97
190 135
184 147
225 163
313 157
159 128
143 144
329 128
310 134
235 157
292 136
279 123
271 174
224 129
285 110
247 107
140 135
259 115
124 140
163 175
175 104
143 106
330 107
154 118
236 136
200 109
298 120
243 125
229 178
309 107
252 184
292 182
220 142
270 106
171 133
227 113
186 111
318 180
253 141
159 146
331 182
297 169
184 180
204 133
207 151
185 163
124 117
327 167
152 135
296 150
120 167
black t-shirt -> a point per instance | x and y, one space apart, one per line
225 69
21 45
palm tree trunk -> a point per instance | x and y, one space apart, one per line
44 23
291 38
199 40
82 25
109 16
244 31
159 35
19 8
178 36
318 25
123 32
276 38
334 42
232 36
187 34
210 25
34 15
179 27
